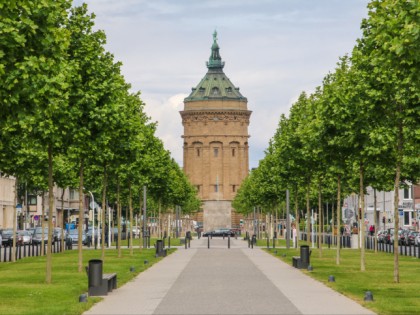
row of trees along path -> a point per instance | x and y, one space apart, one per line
69 118
359 128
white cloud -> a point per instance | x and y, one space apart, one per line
166 113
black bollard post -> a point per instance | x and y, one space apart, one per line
229 241
169 242
186 242
249 243
208 241
223 235
252 243
189 242
148 241
268 243
274 242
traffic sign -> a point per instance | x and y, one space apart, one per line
36 217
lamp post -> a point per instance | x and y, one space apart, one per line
93 221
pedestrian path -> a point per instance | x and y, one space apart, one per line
219 280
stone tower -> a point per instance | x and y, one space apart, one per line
215 120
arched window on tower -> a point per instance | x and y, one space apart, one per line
215 91
216 152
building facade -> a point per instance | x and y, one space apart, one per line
408 208
29 210
216 120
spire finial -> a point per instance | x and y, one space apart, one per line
215 61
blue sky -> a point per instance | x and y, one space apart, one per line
273 50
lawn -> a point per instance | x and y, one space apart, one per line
389 297
137 242
23 289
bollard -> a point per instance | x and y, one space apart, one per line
252 245
229 241
83 298
368 296
186 240
189 242
249 243
208 241
268 243
223 235
169 242
274 242
94 273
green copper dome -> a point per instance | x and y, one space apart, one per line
215 84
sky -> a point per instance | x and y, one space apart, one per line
273 50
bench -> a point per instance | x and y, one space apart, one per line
108 283
297 262
111 280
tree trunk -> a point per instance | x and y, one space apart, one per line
62 221
48 274
297 218
119 220
159 221
375 221
362 219
43 223
320 219
81 217
338 219
396 223
13 249
104 206
140 224
130 206
308 213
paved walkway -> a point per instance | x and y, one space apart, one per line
224 281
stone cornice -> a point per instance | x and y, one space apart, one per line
215 115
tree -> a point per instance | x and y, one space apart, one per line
390 45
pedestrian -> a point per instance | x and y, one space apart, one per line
294 237
371 230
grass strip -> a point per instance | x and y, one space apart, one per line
389 297
24 291
137 242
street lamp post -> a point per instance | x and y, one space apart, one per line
93 221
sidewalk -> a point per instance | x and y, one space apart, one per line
219 280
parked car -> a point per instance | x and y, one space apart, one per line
73 235
411 237
220 232
26 237
39 235
58 233
7 237
381 236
